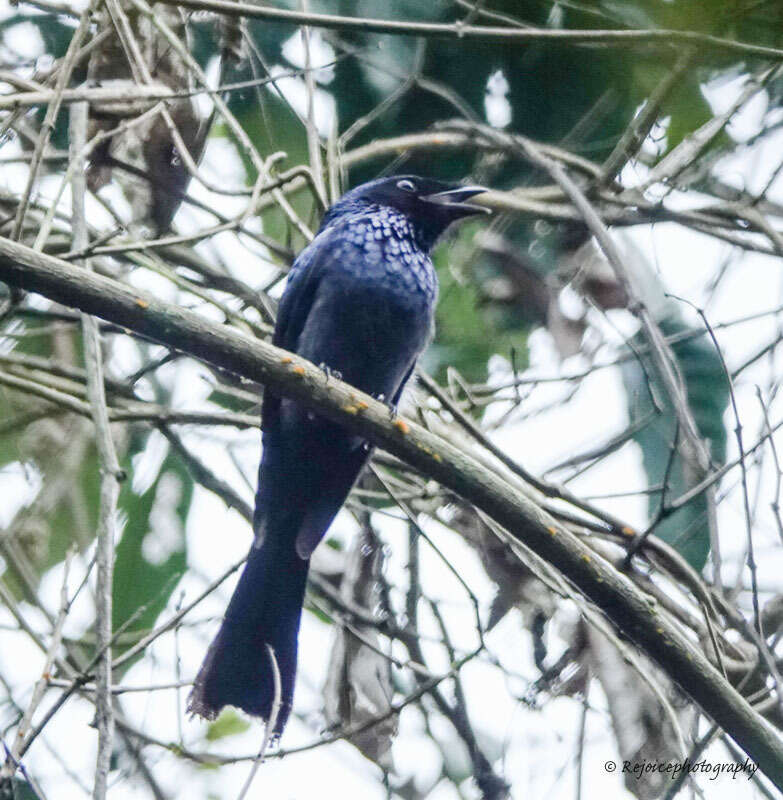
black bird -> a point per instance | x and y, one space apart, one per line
359 302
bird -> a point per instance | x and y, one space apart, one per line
359 302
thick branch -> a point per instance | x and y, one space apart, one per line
618 597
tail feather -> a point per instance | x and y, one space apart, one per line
304 478
265 609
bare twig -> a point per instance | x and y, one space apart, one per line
111 474
459 30
270 725
63 76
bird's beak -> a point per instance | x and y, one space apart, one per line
454 199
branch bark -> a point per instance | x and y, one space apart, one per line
632 611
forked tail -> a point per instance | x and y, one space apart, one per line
265 609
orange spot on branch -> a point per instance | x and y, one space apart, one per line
402 426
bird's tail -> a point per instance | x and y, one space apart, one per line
265 610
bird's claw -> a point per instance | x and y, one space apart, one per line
329 372
390 407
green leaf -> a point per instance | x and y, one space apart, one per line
16 789
685 105
273 127
75 518
151 555
12 406
689 111
634 15
66 511
231 402
56 35
36 339
229 723
468 331
687 529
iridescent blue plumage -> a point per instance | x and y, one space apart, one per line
360 300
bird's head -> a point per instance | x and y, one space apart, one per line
430 205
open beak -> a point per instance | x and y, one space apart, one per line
455 199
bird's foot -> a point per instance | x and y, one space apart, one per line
390 407
329 372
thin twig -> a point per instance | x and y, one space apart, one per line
458 30
271 722
111 474
47 127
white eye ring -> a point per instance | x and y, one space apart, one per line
406 185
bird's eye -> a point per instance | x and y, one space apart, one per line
406 185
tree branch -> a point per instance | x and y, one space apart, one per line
458 30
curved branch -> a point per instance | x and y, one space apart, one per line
632 611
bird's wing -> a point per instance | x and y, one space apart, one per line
297 299
295 304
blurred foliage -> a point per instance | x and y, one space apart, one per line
10 404
16 789
581 97
151 555
54 30
58 450
272 126
687 529
469 330
56 34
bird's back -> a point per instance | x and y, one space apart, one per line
367 320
